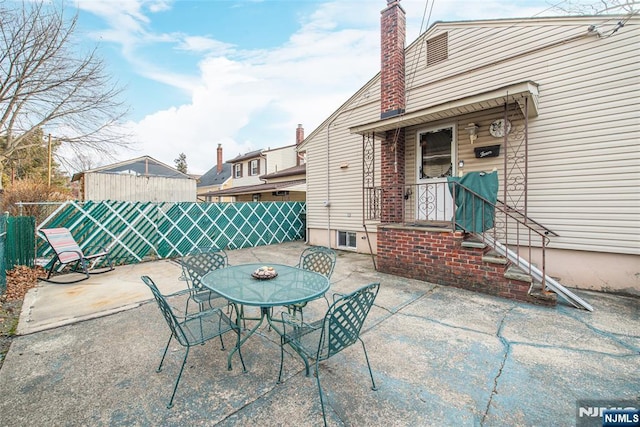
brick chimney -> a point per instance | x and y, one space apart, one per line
219 168
392 31
299 139
299 134
392 103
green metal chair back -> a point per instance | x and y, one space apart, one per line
199 262
344 319
194 266
192 330
337 330
319 259
167 312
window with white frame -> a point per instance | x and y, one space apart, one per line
237 170
254 167
347 239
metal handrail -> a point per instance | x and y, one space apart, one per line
503 228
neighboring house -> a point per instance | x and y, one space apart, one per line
215 179
551 104
267 175
143 179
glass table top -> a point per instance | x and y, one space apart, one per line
290 286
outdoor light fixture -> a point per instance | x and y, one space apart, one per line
461 164
472 130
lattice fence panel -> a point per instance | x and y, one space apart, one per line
134 232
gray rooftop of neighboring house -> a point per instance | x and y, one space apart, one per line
256 188
141 166
246 156
213 177
292 171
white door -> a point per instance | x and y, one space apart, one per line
436 161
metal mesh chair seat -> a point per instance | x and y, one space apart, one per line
200 327
191 330
203 296
340 328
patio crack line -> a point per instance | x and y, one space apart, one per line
573 349
611 335
392 312
428 292
507 351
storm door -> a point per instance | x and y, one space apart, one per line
436 159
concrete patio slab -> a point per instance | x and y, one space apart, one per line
51 304
440 356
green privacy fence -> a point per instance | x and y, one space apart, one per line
139 231
3 240
20 243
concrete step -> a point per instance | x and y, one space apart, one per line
515 273
494 258
537 292
473 244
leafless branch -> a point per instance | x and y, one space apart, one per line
46 83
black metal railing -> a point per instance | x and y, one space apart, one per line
453 205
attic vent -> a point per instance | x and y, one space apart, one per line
437 49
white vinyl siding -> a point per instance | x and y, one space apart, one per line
584 155
280 158
584 149
327 176
246 175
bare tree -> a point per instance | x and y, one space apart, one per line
46 83
79 162
599 7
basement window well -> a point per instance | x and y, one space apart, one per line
347 239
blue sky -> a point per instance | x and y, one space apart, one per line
245 73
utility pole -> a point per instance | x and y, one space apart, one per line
49 168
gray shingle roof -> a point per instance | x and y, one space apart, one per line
145 166
212 177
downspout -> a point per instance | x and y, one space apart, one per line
266 166
327 203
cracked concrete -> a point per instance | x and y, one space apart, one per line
440 356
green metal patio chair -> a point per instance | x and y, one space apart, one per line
195 265
339 329
319 259
192 330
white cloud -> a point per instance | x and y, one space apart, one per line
240 98
302 81
205 45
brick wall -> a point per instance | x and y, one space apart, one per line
439 257
392 176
